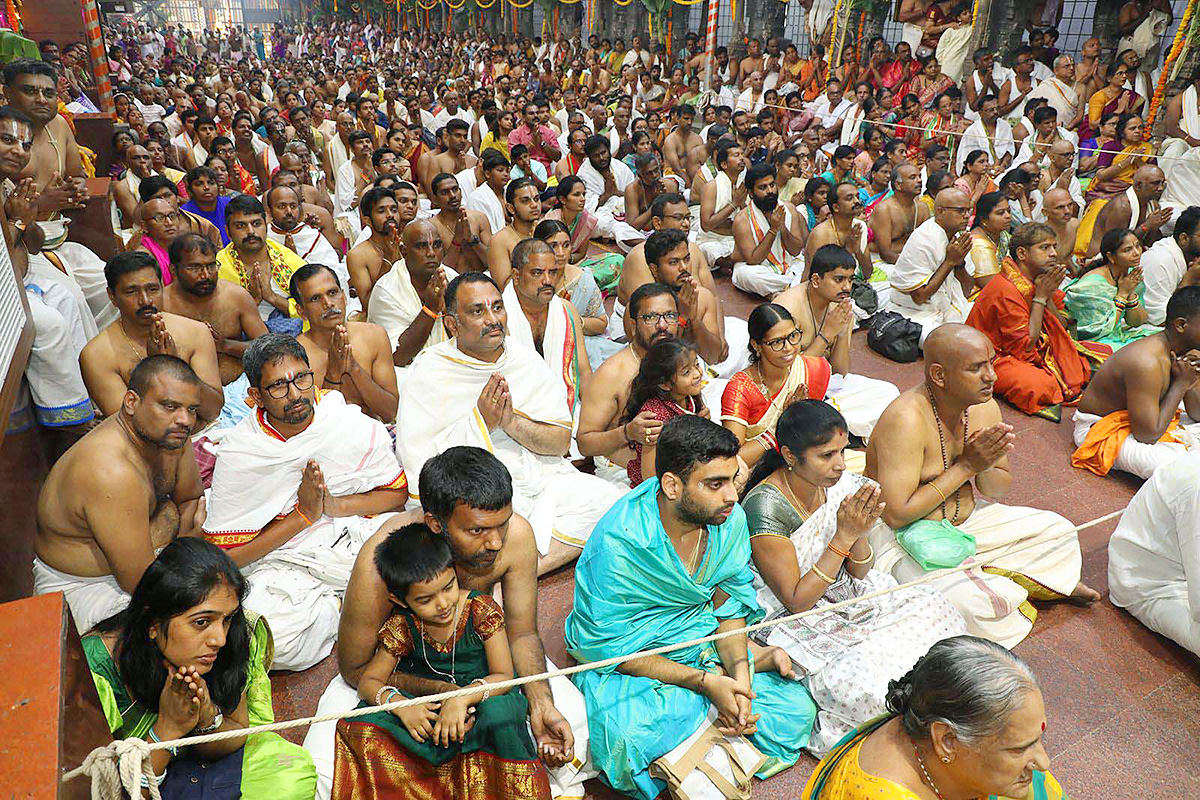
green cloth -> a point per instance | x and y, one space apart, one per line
13 46
1091 302
271 766
936 544
500 727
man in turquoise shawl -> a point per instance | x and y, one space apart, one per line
668 563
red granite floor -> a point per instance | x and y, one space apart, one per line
1123 703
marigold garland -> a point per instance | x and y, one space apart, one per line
1172 56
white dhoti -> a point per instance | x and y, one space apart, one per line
257 475
83 266
91 600
1181 162
60 397
438 410
778 271
920 258
993 598
737 339
610 217
1139 458
566 782
860 400
298 587
1154 554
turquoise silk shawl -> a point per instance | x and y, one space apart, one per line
632 592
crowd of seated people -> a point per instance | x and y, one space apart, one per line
351 386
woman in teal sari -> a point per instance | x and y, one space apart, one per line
1106 302
633 591
966 722
185 659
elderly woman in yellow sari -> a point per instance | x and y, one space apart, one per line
966 722
777 376
1118 175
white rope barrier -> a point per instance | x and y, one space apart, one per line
945 132
102 763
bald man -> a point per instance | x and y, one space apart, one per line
934 446
932 279
1058 207
409 299
1138 209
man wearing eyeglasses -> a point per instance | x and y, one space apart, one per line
932 278
667 212
160 225
654 316
292 489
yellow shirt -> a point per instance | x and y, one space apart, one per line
283 263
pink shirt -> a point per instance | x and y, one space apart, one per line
523 135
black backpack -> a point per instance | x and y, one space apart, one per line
894 337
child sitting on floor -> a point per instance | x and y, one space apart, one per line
440 637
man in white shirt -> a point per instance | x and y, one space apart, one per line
932 278
988 133
828 111
1169 263
452 110
1059 91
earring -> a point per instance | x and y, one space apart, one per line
945 759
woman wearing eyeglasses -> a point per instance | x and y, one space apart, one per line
778 375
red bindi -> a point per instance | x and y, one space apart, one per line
1043 727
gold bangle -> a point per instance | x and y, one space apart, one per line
941 494
822 575
867 560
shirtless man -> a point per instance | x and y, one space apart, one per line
466 496
824 315
640 194
753 62
136 289
121 493
354 358
655 317
523 205
138 160
843 228
939 442
669 257
1148 378
293 164
54 163
465 232
1059 209
682 149
458 155
899 215
1088 76
369 260
227 309
1148 185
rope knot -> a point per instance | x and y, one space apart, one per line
117 768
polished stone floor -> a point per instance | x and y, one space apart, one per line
1123 704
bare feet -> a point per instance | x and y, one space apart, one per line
772 659
1084 595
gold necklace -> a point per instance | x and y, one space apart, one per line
693 562
129 341
800 509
